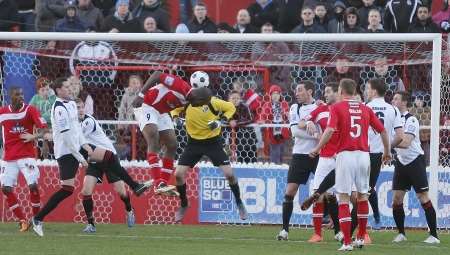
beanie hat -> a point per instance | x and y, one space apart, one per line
122 2
274 88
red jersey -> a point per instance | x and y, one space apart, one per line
320 116
171 93
13 125
352 119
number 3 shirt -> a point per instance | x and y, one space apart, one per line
352 119
391 118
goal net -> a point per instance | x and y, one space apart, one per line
108 69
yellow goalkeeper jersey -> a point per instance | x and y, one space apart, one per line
197 118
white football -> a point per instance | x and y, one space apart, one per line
199 79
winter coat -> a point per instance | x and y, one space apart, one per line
314 28
128 25
428 27
207 26
288 15
399 15
260 16
91 16
47 12
8 15
266 116
248 29
160 15
70 25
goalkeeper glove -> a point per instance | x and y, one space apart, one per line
214 124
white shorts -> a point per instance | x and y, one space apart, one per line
149 115
324 167
10 171
352 172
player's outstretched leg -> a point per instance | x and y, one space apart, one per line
35 198
326 184
14 206
180 174
234 186
88 204
430 215
119 187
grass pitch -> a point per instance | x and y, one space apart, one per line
67 239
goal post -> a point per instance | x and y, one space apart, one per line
254 61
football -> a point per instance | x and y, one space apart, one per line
199 79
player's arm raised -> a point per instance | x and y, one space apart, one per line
151 81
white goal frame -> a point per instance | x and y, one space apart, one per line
435 39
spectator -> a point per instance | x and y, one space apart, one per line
382 70
44 99
26 15
90 15
336 25
200 23
8 16
150 26
106 6
123 144
243 25
263 11
122 20
76 91
374 19
321 13
441 18
422 111
423 22
269 51
47 12
224 28
399 15
308 25
275 111
249 97
71 22
288 17
351 20
363 12
152 8
126 109
245 136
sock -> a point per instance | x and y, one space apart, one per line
363 215
430 215
183 198
327 183
155 167
345 222
13 204
113 165
399 217
354 216
35 200
166 170
317 216
88 205
373 199
127 202
55 199
334 211
288 207
236 192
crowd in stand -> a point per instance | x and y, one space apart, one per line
286 16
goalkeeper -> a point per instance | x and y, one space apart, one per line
203 118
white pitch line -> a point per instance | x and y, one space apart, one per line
224 239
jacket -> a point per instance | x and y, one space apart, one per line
428 27
266 116
128 25
91 16
288 15
8 15
399 15
260 16
207 26
70 25
314 28
44 106
248 29
47 12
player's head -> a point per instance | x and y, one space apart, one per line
61 86
16 95
331 92
402 100
199 96
80 108
375 88
199 79
234 97
347 88
304 91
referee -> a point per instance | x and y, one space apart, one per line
203 126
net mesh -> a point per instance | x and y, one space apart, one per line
104 72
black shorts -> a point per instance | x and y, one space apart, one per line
68 167
302 165
375 168
213 148
414 174
97 170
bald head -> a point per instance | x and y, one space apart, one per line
200 96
